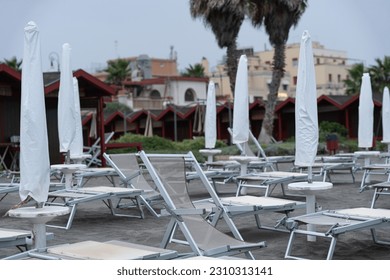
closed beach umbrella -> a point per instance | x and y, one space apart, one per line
211 118
198 120
241 104
34 152
306 119
77 145
66 103
148 126
386 115
366 114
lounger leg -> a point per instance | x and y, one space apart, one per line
376 240
70 219
249 255
362 184
353 176
332 246
288 255
217 215
168 233
149 207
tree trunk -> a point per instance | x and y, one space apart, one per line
277 75
231 53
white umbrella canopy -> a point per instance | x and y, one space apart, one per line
77 145
306 119
366 114
241 104
34 152
66 103
211 118
386 115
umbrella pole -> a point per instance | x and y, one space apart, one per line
67 157
310 175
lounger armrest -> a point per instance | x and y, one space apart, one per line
177 213
242 208
182 212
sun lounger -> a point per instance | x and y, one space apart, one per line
73 197
18 238
337 222
330 224
267 181
382 169
84 175
169 175
95 150
131 176
93 250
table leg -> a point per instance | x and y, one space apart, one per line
68 180
244 168
310 208
367 162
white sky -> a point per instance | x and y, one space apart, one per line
99 30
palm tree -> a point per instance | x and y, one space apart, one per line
224 17
118 70
14 63
278 16
380 74
354 80
196 70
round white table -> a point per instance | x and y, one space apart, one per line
38 217
210 153
68 170
309 190
243 161
367 156
78 159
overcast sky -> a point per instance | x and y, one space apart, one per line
99 30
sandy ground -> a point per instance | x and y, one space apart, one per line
93 221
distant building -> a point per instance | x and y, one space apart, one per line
155 83
330 65
331 68
157 93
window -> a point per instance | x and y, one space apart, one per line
189 95
295 62
155 94
318 60
339 78
295 80
285 87
330 78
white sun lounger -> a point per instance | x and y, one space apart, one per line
18 238
169 175
337 222
73 197
93 250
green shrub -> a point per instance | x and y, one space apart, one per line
149 144
327 128
157 144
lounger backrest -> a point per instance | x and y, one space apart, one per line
169 174
127 167
172 174
244 148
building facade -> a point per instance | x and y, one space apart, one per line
155 83
331 68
